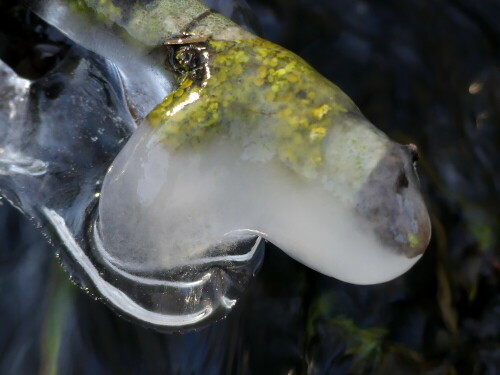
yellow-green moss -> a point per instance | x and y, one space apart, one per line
413 240
103 10
268 92
107 8
150 23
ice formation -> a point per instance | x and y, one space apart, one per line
239 141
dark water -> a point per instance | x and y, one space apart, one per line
426 72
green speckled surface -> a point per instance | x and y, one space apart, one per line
157 21
260 92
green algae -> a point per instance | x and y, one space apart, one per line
255 90
154 22
274 102
413 240
105 11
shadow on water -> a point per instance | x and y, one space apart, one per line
424 72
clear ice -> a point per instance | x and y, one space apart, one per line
59 135
167 238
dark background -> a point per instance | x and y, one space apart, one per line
423 71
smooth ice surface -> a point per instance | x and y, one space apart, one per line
143 72
172 239
58 136
55 151
162 209
141 65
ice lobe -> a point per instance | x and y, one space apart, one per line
161 209
142 72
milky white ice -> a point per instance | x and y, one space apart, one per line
235 139
160 209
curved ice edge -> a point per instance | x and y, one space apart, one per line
119 267
115 296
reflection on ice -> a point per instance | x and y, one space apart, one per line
168 229
132 58
12 162
54 153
